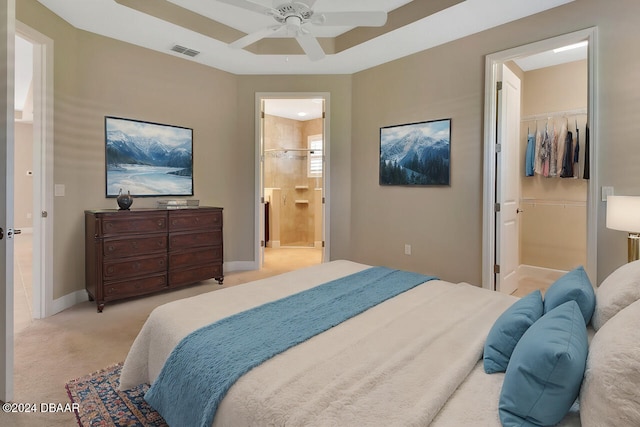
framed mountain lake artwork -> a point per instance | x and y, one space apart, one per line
416 153
148 159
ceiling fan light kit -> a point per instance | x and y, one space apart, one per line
297 18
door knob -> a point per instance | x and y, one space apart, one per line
11 232
519 210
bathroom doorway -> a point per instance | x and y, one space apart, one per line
293 146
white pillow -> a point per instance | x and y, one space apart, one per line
620 289
610 394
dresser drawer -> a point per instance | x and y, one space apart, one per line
119 224
121 268
140 245
193 275
117 290
194 220
195 258
192 240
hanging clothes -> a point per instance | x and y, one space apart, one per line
537 168
561 143
553 155
545 151
576 154
530 156
587 171
567 164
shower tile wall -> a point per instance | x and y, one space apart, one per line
287 170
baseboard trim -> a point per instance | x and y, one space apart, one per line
67 301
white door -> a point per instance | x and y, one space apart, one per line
508 183
7 45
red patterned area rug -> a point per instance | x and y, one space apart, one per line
103 405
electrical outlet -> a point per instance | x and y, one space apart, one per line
407 249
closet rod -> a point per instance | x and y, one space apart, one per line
577 112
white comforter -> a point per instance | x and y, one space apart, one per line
396 364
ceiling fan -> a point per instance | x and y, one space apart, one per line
297 18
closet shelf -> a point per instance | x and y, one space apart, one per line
302 202
302 187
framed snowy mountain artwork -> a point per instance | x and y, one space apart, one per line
416 153
148 159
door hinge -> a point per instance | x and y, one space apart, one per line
496 207
262 199
499 85
323 200
498 148
45 214
323 243
496 269
262 114
262 243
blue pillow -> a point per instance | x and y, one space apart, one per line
576 286
546 369
508 329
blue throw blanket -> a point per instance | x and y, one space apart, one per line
206 363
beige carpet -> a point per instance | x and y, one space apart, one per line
78 341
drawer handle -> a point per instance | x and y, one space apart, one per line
110 248
134 244
160 223
112 290
136 266
110 270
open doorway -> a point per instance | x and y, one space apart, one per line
23 185
33 198
547 198
293 180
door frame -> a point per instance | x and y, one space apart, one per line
7 32
492 63
42 272
259 169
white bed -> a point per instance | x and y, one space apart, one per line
415 359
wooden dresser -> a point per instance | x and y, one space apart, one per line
141 251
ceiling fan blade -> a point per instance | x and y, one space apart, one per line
251 38
249 5
311 47
351 19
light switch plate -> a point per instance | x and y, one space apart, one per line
606 192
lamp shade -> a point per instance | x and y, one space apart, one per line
623 213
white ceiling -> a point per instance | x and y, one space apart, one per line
111 19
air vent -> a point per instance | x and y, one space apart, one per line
184 50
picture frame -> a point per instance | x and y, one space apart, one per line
416 154
147 159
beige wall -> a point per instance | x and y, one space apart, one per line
96 76
554 222
444 225
23 183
